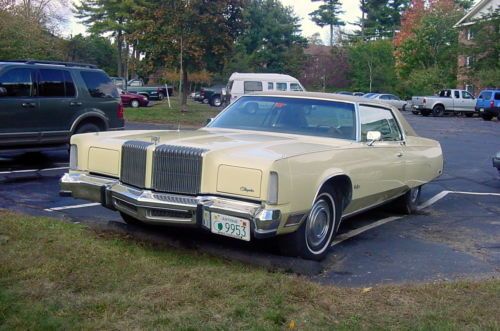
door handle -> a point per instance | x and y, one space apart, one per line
28 104
74 103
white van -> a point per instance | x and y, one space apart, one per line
240 84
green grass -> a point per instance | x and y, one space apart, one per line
196 116
57 275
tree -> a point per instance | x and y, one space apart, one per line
190 35
325 68
114 17
380 18
372 66
93 49
328 14
270 42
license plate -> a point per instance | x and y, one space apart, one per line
231 226
481 109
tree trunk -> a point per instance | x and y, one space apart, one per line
119 44
185 90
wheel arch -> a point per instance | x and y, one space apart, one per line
437 104
339 183
90 117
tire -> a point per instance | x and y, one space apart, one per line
468 114
425 112
134 103
205 101
130 220
313 238
161 96
404 107
438 111
216 101
407 203
487 117
87 128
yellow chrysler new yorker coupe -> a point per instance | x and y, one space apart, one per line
290 165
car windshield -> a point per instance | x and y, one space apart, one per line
290 115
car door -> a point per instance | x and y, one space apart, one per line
18 107
381 172
467 101
58 103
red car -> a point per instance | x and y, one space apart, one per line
133 100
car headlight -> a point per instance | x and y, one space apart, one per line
73 157
272 190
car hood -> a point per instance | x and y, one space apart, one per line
237 143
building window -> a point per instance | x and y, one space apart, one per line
469 60
470 34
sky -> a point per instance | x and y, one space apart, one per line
301 7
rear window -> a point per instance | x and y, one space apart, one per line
485 95
252 86
55 83
99 85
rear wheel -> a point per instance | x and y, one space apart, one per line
438 111
87 128
205 101
134 103
130 220
407 203
312 240
487 117
161 96
216 101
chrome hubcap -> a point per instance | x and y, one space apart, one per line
414 194
318 223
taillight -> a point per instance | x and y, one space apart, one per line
119 111
492 104
424 100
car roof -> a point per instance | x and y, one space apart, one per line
238 75
50 64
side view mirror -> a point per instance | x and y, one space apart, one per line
3 91
373 136
209 120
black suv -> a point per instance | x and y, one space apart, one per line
43 103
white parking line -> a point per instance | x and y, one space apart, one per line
73 206
31 170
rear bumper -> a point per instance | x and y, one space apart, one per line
495 111
165 208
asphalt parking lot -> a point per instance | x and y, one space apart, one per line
455 234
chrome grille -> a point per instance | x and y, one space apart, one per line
177 169
133 166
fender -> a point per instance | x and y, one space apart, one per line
89 114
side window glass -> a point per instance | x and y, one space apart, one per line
281 86
51 83
480 96
252 86
497 96
379 119
18 83
270 86
295 87
466 95
99 85
457 94
69 85
384 97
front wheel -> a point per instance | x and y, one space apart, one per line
134 103
407 203
313 238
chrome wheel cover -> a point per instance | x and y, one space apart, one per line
414 193
318 224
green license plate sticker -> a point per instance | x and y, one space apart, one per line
231 226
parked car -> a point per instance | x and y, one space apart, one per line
119 82
240 84
343 93
211 95
43 103
358 94
496 161
390 99
447 101
369 95
488 104
151 92
132 99
290 165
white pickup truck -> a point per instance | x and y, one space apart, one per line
447 101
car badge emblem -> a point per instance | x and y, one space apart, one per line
155 140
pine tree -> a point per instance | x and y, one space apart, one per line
328 14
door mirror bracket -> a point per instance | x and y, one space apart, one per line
373 136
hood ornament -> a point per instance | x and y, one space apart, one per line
155 140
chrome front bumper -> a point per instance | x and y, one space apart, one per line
165 208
